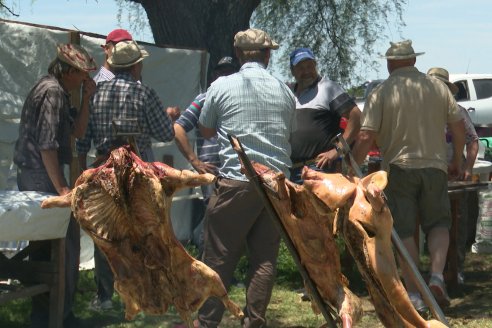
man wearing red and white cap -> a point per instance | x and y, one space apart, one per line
115 36
103 275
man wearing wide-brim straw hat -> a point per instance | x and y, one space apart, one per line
406 116
134 107
43 149
443 75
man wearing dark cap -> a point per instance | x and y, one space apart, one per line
103 275
206 159
406 117
43 148
259 110
320 105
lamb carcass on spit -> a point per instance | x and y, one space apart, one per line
366 231
309 224
124 205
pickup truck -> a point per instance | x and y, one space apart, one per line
475 94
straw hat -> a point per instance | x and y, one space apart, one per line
126 54
75 56
443 75
254 39
401 50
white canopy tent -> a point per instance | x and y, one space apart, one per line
26 50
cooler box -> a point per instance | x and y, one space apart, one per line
482 169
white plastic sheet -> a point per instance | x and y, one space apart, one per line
22 218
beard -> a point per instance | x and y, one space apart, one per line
306 82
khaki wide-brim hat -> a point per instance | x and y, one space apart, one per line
126 54
443 75
401 50
75 56
254 39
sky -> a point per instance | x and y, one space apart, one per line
454 34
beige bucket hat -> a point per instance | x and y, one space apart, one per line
443 75
126 54
401 50
254 39
75 56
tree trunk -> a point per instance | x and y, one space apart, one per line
204 24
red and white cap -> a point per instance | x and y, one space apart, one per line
118 35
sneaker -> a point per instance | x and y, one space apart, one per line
461 278
106 305
97 305
438 289
418 304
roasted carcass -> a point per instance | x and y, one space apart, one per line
124 205
309 224
367 233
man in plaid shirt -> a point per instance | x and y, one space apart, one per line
124 99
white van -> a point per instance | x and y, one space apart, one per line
475 94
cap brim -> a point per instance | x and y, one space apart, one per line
298 60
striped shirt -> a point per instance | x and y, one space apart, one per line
259 110
136 105
207 149
104 74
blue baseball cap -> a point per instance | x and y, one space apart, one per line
299 55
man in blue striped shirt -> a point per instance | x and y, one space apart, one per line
259 110
206 159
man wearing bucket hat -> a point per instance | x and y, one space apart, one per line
135 106
43 148
259 110
471 150
406 116
103 276
320 105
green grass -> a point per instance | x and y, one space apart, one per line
473 309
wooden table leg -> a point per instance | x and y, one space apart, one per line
57 288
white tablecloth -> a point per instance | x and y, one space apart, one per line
22 218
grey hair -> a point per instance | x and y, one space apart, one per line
252 55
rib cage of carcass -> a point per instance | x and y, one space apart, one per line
124 205
327 204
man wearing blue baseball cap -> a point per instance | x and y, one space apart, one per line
320 106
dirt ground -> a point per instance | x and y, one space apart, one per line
474 299
471 304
